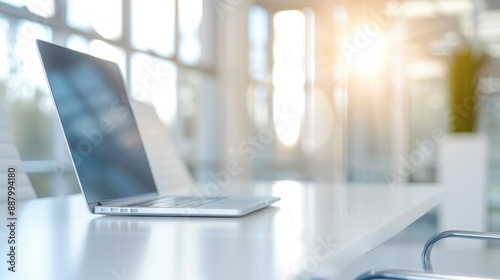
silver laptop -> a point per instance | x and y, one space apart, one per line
105 145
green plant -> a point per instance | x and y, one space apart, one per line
465 65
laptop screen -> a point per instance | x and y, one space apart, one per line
97 120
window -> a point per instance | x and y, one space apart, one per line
289 75
151 41
106 20
258 40
153 26
190 15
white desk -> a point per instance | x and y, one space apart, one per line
315 230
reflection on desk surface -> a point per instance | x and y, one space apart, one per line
59 239
187 245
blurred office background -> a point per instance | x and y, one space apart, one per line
312 90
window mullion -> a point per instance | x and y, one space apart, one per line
126 25
177 32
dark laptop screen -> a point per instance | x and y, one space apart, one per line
100 129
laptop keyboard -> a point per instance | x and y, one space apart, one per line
176 202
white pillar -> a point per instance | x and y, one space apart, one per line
463 170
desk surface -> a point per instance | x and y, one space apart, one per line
315 230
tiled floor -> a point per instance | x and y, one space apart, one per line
403 252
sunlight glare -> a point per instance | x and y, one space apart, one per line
370 60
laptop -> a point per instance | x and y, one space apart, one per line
106 148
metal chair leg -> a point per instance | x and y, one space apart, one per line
426 253
414 275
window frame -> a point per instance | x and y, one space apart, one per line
61 30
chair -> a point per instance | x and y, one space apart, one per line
9 158
169 171
428 273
